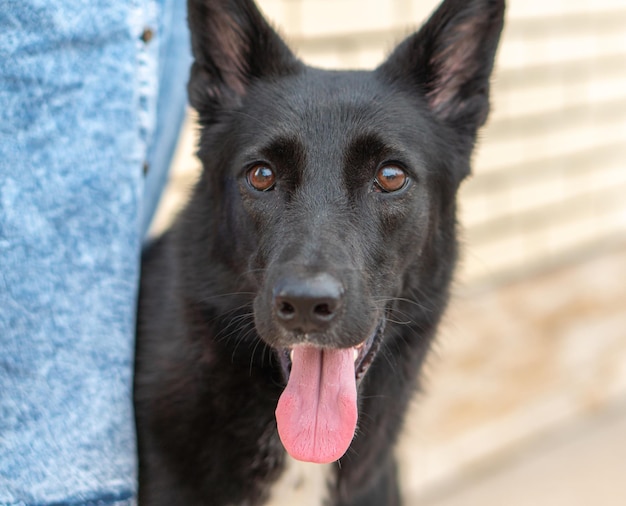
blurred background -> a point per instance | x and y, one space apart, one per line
524 400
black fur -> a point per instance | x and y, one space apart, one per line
209 370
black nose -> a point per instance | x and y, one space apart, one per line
307 304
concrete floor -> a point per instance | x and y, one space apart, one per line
583 464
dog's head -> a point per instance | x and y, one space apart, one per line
331 195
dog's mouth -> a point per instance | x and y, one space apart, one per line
363 354
317 412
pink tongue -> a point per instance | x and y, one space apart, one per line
317 413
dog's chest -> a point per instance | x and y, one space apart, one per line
302 484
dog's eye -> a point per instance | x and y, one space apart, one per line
390 178
261 177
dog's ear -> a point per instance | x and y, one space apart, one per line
232 45
450 60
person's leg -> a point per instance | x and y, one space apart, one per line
78 94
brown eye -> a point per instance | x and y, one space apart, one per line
390 178
261 178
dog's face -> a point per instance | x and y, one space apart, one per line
332 193
331 187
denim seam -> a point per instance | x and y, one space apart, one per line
122 499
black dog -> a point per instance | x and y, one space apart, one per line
294 300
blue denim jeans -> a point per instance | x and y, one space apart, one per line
92 95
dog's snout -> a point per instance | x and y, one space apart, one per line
306 304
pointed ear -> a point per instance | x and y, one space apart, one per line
450 61
232 45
